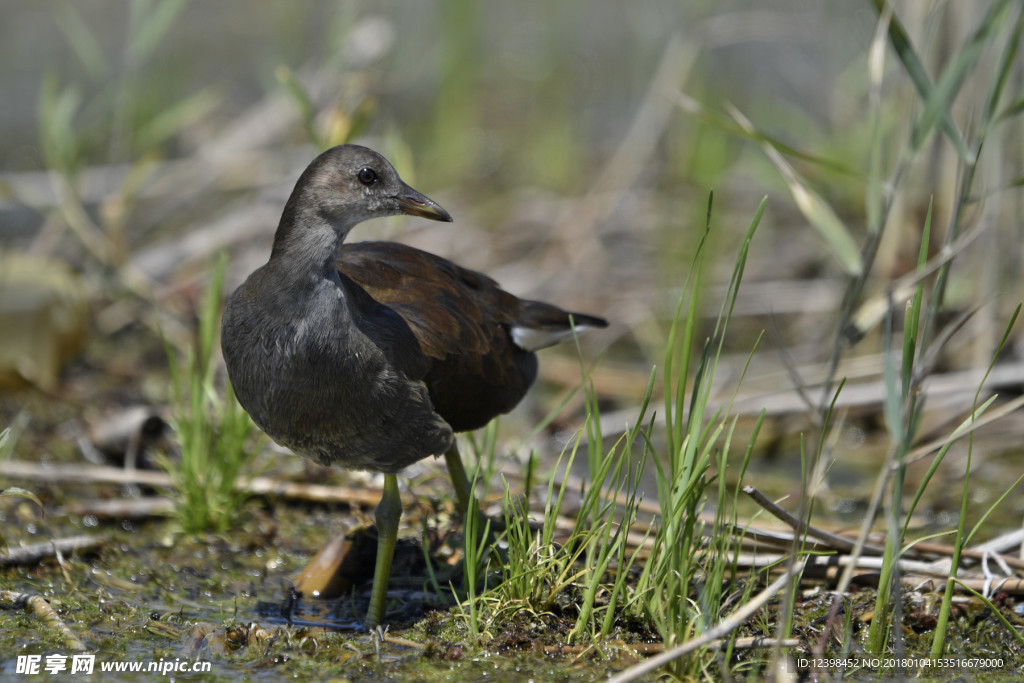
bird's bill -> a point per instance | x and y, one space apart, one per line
415 204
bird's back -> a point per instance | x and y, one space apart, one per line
466 326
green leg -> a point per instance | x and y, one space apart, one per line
463 489
389 512
459 479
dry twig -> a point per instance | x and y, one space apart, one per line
33 553
42 609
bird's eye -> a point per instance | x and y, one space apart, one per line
367 176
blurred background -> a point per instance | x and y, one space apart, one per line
575 143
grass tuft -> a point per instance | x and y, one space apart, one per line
212 430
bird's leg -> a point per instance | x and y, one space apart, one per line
463 493
460 481
389 512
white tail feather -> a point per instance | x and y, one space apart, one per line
533 339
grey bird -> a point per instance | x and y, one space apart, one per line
372 355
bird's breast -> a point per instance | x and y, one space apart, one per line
316 382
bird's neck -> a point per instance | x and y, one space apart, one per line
306 242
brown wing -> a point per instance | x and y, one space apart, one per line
463 323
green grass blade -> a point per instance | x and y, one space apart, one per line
815 209
1012 629
82 40
175 118
1013 109
940 99
148 26
939 456
303 102
724 123
675 379
1002 75
876 71
919 76
991 508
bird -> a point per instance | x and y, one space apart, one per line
372 355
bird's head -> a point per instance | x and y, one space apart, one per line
349 184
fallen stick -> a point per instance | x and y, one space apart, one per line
801 527
259 486
37 551
42 609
